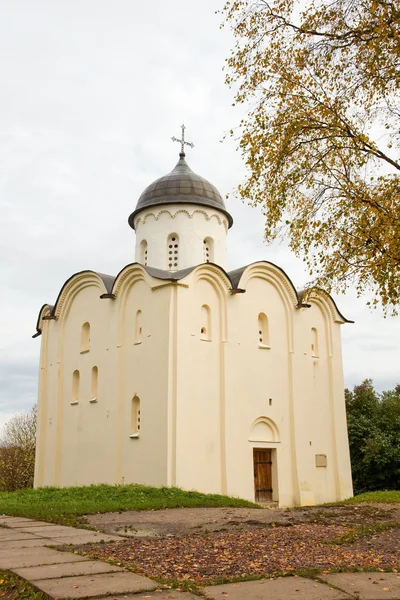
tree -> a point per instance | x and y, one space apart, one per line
321 138
373 422
17 451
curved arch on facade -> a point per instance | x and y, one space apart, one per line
274 274
124 282
282 284
264 429
222 285
73 286
316 295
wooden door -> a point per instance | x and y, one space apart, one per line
262 475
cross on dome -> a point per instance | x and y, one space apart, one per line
182 141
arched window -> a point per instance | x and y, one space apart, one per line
85 338
263 331
95 382
143 252
138 327
208 250
173 252
314 342
205 330
135 416
75 387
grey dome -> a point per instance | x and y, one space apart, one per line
181 186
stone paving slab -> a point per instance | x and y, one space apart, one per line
159 595
88 586
33 557
84 538
10 518
283 588
51 530
87 567
29 543
12 536
22 524
369 586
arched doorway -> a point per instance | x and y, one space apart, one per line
264 434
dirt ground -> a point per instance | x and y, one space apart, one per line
209 545
189 521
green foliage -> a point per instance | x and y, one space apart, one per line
17 451
321 136
68 505
373 422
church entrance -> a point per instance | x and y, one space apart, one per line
262 459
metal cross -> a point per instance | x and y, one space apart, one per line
182 141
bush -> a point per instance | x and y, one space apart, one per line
17 452
374 432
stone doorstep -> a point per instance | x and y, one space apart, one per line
34 557
87 567
369 586
282 588
89 586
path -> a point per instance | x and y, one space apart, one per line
24 549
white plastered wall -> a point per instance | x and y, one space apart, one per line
191 224
89 442
204 404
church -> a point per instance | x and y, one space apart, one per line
176 372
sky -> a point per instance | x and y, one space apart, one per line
91 93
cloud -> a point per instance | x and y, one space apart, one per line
91 94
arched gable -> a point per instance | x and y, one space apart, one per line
74 285
277 278
324 300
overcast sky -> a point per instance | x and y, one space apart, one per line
91 93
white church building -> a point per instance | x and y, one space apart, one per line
179 373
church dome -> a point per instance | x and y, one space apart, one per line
180 186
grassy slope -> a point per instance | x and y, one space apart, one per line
67 505
385 497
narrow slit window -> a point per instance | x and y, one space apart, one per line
205 330
85 338
314 343
263 331
95 384
143 252
208 250
75 387
135 416
173 252
138 327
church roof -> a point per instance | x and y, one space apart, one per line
180 186
234 277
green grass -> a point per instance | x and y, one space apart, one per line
68 505
15 588
385 497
